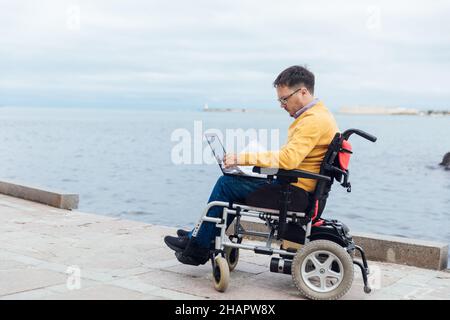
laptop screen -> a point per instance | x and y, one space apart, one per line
216 147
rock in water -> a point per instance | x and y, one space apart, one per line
446 161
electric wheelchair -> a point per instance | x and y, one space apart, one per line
318 253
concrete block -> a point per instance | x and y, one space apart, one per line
51 198
412 252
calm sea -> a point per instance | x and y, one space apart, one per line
120 163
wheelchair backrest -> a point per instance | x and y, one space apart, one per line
335 164
337 159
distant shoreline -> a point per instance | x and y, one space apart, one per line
391 111
238 110
349 110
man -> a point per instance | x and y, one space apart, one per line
309 135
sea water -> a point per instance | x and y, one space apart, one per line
120 163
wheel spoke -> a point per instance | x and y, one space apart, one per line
323 282
328 262
311 274
316 262
332 274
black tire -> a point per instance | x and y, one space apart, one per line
321 261
232 256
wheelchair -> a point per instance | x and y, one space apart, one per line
318 253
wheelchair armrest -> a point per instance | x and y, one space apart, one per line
290 173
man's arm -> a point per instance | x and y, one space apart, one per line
304 139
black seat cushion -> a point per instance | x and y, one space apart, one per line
269 197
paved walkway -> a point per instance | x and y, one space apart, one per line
48 253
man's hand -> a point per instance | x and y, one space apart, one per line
230 160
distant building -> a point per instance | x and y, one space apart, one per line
378 110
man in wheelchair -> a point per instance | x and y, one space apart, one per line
290 200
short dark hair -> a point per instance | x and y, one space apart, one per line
295 76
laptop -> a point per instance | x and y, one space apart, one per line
219 153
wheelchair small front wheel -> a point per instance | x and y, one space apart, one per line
322 269
221 274
232 256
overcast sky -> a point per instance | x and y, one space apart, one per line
183 54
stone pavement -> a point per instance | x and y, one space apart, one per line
48 253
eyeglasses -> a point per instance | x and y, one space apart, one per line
284 100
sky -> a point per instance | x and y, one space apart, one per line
183 54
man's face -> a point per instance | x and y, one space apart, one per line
294 101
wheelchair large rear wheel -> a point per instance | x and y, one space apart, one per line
322 269
221 274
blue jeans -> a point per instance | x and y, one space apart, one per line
227 188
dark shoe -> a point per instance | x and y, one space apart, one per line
192 260
188 259
182 233
194 252
176 243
